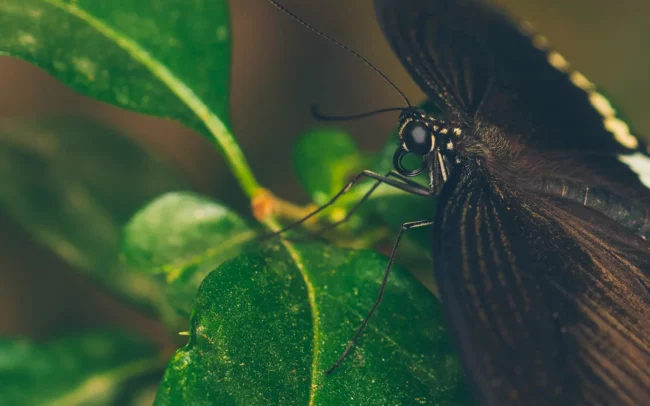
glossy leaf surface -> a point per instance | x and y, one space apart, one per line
169 59
324 159
159 58
183 236
324 170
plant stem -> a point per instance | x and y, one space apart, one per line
233 155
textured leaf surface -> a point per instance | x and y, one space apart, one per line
169 59
265 327
184 236
86 370
72 184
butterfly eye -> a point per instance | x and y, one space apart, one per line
417 138
398 163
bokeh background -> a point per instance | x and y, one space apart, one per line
279 69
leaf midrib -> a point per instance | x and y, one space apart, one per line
222 136
217 128
176 270
311 297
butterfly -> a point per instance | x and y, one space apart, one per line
540 250
542 207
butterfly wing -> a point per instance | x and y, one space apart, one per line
549 300
474 63
549 307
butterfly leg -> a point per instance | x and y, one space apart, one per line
365 197
405 227
399 183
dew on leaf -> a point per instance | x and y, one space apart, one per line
222 33
27 40
85 66
35 13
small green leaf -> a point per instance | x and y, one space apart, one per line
325 169
184 236
265 327
86 370
72 184
180 229
323 160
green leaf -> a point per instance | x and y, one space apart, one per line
72 184
148 56
323 159
387 206
165 58
325 169
85 370
265 327
184 236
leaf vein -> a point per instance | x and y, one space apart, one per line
221 134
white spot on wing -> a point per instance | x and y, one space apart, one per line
601 104
540 42
640 164
581 81
558 61
619 129
527 28
622 132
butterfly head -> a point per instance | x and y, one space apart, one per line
422 135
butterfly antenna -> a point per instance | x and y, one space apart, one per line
347 48
316 114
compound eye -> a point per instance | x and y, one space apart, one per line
417 138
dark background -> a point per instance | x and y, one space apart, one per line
279 69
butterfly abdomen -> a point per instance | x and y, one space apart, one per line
632 215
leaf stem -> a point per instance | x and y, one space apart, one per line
294 253
231 152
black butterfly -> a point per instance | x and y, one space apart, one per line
539 235
540 231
